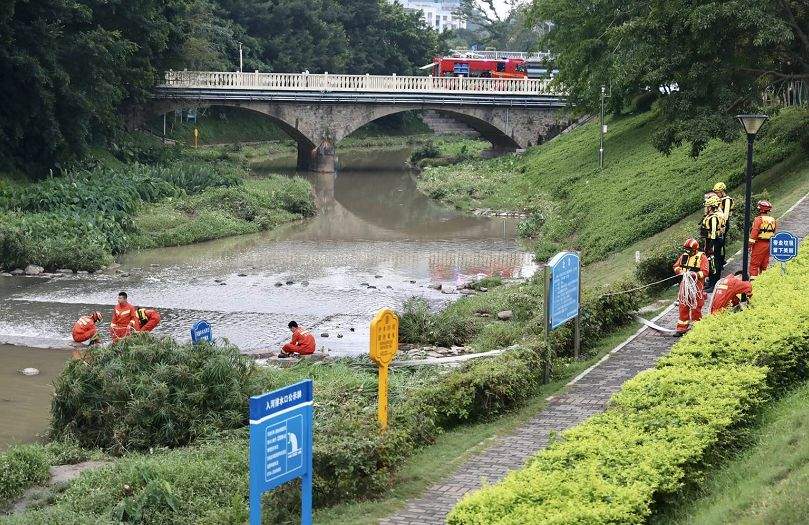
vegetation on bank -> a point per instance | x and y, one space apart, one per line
149 196
768 483
639 193
446 150
668 425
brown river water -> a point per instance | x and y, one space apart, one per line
372 228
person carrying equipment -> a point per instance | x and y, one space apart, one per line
725 202
712 230
693 267
728 291
85 331
148 319
303 342
763 229
124 318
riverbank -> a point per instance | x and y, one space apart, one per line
149 196
639 193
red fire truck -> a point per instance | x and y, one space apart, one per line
473 66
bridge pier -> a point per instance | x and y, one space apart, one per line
322 159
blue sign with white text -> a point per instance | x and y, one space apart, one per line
281 445
564 288
201 331
784 246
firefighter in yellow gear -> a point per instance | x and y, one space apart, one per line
725 201
712 230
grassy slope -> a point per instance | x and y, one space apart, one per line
639 193
768 483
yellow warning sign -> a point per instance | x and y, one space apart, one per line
384 345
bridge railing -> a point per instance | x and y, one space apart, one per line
355 83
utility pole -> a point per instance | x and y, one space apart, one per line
241 58
601 130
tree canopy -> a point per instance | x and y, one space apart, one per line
71 70
708 59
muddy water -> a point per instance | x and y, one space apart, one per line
25 400
375 242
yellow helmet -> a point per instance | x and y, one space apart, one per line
712 201
719 186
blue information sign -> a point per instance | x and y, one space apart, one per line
563 293
201 331
281 445
784 246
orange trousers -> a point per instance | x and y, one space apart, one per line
759 257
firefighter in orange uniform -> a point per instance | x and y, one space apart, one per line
763 229
693 266
727 292
303 342
85 331
124 318
148 319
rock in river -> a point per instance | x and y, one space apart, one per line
33 269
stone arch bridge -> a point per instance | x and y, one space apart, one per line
318 111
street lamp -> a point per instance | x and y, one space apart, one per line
751 125
241 59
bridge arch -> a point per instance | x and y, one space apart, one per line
488 130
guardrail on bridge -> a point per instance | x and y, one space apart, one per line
356 83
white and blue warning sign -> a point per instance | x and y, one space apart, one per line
784 246
281 445
564 288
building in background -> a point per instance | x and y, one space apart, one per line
439 14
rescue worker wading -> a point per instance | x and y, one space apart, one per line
712 232
85 331
148 319
763 229
303 342
728 291
693 266
124 318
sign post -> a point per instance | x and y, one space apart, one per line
783 248
384 345
562 298
281 445
201 331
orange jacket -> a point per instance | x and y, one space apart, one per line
304 340
727 290
763 228
124 318
152 319
84 329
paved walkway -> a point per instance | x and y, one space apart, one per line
586 395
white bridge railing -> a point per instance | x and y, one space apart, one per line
356 83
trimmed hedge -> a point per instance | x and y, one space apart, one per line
665 426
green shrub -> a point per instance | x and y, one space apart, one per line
21 466
529 228
496 335
143 392
415 321
195 177
658 264
426 151
667 425
488 282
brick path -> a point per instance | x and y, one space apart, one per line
586 395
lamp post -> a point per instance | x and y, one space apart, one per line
601 131
241 58
751 125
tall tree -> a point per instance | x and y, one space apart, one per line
710 59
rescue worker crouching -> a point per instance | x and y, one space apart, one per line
302 343
728 291
763 229
712 231
693 267
124 318
85 330
148 319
